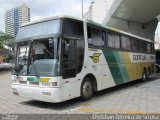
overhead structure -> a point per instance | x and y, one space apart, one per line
139 17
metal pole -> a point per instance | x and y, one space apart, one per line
82 8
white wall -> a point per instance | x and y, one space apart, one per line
98 10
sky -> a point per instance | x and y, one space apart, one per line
45 8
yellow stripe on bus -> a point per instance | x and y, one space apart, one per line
44 79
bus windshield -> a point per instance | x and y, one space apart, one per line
39 30
40 57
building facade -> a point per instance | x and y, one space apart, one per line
98 10
15 17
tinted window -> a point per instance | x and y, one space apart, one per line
153 49
117 41
113 40
138 45
149 47
126 43
134 44
73 28
89 35
143 46
96 37
110 40
103 38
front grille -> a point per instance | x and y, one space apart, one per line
34 83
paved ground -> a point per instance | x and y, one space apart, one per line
136 97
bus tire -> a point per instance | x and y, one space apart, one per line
157 69
144 76
86 89
148 72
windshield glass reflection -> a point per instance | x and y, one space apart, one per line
40 57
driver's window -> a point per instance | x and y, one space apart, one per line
23 54
66 48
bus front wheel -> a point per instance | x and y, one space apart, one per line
86 89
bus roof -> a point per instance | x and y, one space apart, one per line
50 18
87 21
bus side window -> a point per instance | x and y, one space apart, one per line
103 38
138 45
126 42
153 49
134 44
149 47
110 40
96 37
113 40
89 35
117 41
143 46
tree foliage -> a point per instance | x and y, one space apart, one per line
6 39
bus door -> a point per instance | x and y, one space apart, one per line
68 68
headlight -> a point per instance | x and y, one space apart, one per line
45 84
49 84
53 84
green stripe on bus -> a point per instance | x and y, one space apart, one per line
116 66
33 79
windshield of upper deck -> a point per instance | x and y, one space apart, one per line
39 30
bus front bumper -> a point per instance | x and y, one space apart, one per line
52 95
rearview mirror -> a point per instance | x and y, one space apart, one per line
51 42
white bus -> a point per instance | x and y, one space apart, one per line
76 58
